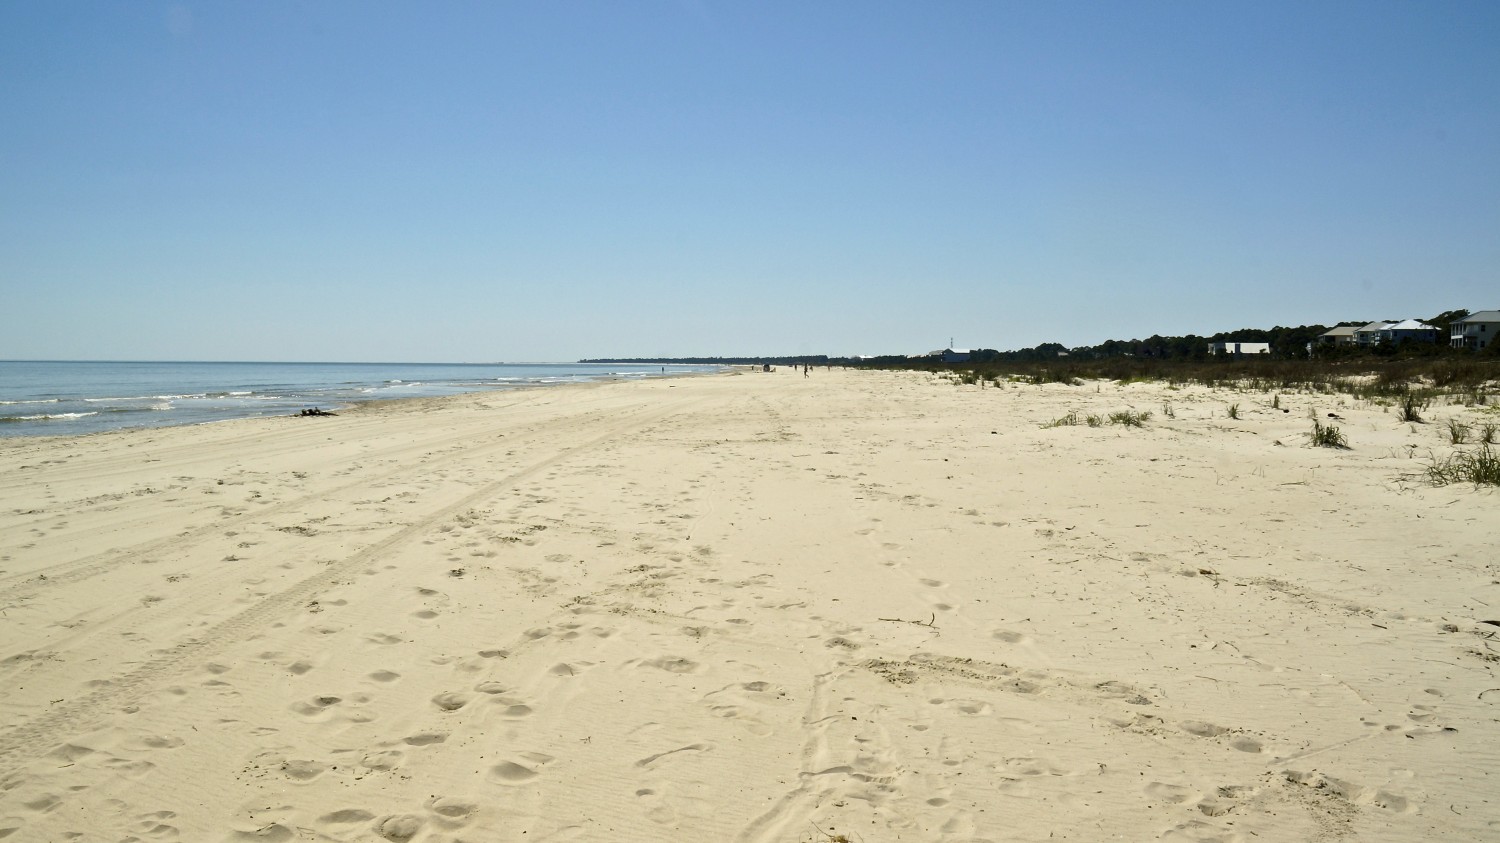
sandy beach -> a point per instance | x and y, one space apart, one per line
752 607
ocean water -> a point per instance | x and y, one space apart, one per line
74 397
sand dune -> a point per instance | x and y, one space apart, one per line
754 607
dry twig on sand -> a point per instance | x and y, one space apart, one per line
930 623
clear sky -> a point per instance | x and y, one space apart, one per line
478 181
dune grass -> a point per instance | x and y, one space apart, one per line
1130 418
1480 466
1327 436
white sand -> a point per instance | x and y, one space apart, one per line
749 608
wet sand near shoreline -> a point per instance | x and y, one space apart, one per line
752 607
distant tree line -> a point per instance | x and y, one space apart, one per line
1287 343
798 360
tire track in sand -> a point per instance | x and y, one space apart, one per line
22 586
42 733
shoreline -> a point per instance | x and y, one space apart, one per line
738 607
353 407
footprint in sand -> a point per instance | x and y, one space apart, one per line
346 816
153 824
1202 729
1031 766
450 811
148 742
399 828
316 706
1246 744
383 760
521 771
451 700
1350 792
302 769
1172 794
1199 728
743 703
672 664
272 833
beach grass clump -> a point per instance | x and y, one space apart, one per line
1327 436
1045 376
1234 411
1487 433
1411 404
1458 432
1480 467
1066 421
1094 420
1166 410
1130 418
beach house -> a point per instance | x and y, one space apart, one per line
1369 335
1239 348
1409 329
1475 331
1342 335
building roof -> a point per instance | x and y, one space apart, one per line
1340 331
1409 325
1373 326
1481 316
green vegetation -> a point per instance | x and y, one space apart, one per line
1234 411
1327 436
1458 432
1410 385
1480 467
1409 407
1129 418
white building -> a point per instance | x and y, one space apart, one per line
1475 331
1239 348
1368 335
1409 329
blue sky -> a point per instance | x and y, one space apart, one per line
554 180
